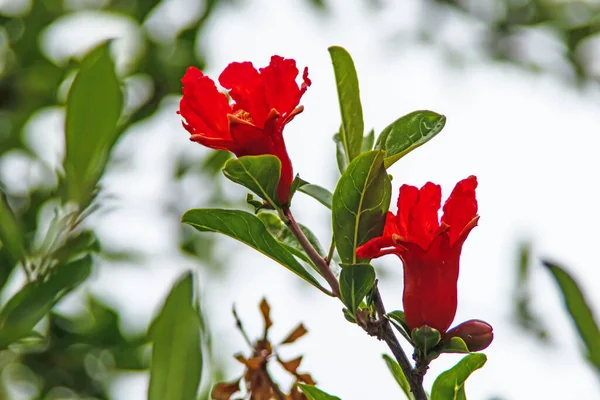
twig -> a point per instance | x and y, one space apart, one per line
319 261
238 323
276 390
331 249
387 334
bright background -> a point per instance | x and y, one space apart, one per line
530 138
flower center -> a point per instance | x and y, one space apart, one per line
243 115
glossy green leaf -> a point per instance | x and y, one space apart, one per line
29 305
318 193
360 202
260 174
450 385
398 375
176 365
313 393
250 230
11 232
351 134
368 140
407 133
355 283
580 312
93 109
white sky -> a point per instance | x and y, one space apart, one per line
530 139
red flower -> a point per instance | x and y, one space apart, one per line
430 251
264 101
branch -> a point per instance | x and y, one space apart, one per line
321 264
387 334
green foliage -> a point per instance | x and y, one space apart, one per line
11 232
356 281
318 193
398 321
260 174
250 230
450 385
398 375
28 306
368 140
579 311
176 365
407 133
340 156
455 345
425 338
351 132
360 202
313 393
93 110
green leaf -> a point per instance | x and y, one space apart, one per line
176 350
28 306
260 174
398 375
340 157
407 133
368 140
455 345
250 230
360 202
93 109
580 312
11 232
451 384
355 283
351 134
318 193
312 393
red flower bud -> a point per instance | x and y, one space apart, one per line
477 334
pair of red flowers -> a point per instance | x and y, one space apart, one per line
264 101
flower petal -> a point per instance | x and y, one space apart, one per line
377 247
279 81
418 212
202 106
461 207
246 89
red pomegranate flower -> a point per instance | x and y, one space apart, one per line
264 101
429 250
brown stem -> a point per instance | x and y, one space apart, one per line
276 390
387 334
319 261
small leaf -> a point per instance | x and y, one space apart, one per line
340 157
407 133
580 312
265 310
455 345
292 365
425 338
11 232
248 229
176 365
399 322
316 394
28 306
356 282
295 335
224 390
260 174
318 193
351 133
368 140
398 375
93 110
451 384
349 316
360 203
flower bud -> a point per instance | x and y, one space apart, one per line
476 334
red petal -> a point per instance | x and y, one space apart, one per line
246 89
203 107
376 247
418 212
391 226
249 140
279 82
461 207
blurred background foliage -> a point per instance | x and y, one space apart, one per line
75 356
